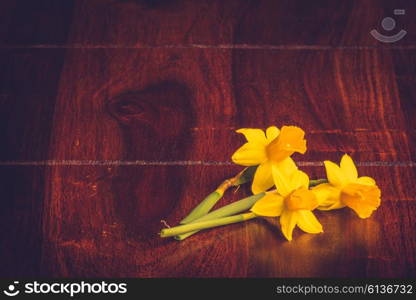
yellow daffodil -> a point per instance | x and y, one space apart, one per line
292 201
266 149
345 188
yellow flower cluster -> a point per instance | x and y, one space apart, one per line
292 200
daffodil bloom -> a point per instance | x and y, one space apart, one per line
292 201
345 188
266 149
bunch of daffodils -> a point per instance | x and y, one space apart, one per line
280 189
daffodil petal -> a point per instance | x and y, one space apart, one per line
286 166
271 133
334 174
288 220
299 179
263 178
282 181
326 194
271 205
366 180
348 168
253 135
322 192
307 221
250 154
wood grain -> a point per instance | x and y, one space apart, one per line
118 114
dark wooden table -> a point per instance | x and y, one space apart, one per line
117 114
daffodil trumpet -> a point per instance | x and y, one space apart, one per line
181 229
205 206
225 211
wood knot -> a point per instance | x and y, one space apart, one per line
165 108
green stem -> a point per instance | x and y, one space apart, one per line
209 201
315 182
167 232
203 207
225 211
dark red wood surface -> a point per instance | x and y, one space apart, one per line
117 114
